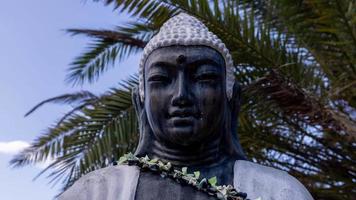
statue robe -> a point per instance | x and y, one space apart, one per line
120 183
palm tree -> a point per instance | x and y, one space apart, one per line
295 60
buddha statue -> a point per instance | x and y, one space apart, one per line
187 104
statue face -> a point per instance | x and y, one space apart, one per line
185 96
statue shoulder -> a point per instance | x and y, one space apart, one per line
267 182
106 183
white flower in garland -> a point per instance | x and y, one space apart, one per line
222 192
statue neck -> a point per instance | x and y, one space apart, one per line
206 154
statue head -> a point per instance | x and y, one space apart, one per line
187 94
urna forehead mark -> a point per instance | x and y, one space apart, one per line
181 59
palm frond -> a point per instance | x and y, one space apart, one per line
327 30
108 47
293 144
77 98
90 138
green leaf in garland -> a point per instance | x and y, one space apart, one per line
153 161
197 174
130 156
213 181
184 170
122 160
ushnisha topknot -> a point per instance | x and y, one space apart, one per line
186 30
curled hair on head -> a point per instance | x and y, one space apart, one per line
186 30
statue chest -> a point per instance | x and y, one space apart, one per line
152 187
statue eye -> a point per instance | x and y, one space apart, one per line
158 78
211 76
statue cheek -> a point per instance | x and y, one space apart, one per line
157 104
208 96
211 105
159 90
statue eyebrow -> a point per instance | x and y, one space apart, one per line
162 64
204 61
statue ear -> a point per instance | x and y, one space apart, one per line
233 143
145 139
235 100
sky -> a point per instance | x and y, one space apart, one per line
35 53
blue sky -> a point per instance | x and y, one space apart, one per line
34 54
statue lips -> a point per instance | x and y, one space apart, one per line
182 117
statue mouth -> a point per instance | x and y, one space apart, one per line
183 113
182 117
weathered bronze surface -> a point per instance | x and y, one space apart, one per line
189 118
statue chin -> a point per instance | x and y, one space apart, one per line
182 136
183 132
178 136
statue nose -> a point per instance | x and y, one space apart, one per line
181 96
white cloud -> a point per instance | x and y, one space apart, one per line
13 147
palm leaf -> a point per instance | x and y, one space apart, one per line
90 138
108 46
78 97
330 36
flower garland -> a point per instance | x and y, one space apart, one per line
209 186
